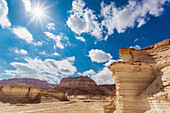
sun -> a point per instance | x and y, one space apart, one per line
38 13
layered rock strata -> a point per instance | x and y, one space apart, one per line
142 80
84 85
26 94
27 82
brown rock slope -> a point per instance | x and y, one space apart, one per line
84 85
142 80
27 82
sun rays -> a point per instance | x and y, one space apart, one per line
38 13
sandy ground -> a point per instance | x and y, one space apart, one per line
56 107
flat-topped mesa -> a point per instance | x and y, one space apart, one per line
142 80
77 82
85 86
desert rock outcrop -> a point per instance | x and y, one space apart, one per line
84 85
27 94
142 80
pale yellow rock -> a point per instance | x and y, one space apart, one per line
143 79
27 94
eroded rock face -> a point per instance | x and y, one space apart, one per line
19 94
143 79
84 85
27 94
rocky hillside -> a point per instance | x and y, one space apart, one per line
27 82
84 85
142 80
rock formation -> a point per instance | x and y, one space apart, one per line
84 85
27 82
142 80
27 94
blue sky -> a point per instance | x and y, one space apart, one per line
53 39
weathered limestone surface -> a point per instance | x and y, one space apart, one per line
27 94
142 80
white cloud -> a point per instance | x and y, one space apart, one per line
27 4
109 62
83 20
136 47
23 33
42 53
50 26
21 51
80 38
136 40
50 70
38 43
99 56
56 54
4 21
103 76
89 73
51 54
60 40
133 13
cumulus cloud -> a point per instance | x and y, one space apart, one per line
136 47
89 73
111 61
50 70
55 54
38 43
80 38
103 76
99 56
27 5
4 21
135 12
21 51
50 26
49 54
23 33
83 20
61 40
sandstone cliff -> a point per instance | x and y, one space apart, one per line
27 82
142 80
84 85
27 94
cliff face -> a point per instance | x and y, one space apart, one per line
84 85
22 94
27 82
27 94
142 80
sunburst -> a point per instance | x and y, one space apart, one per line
38 13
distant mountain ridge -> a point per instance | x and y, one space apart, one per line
27 82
